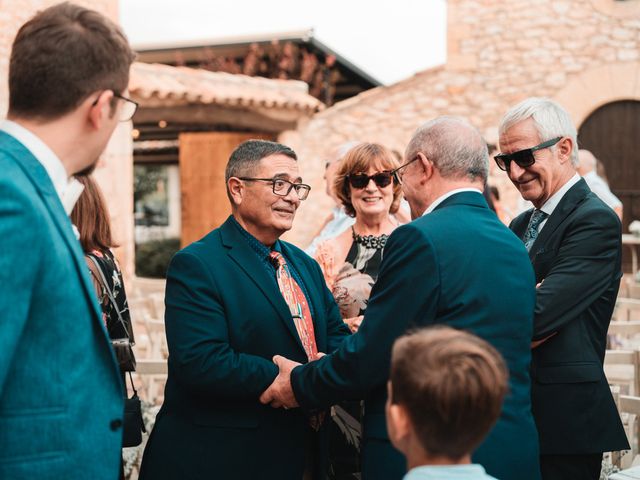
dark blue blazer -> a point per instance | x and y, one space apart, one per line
577 254
61 399
459 266
225 320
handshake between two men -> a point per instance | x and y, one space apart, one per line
280 393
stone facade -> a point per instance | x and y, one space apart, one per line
115 169
582 53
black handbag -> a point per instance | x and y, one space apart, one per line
133 425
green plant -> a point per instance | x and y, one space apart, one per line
153 257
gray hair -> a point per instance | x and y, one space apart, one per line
454 146
549 118
246 157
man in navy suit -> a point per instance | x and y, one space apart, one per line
574 244
229 311
455 264
61 400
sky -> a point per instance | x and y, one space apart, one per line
390 40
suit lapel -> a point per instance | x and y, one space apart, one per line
568 203
519 225
40 179
247 260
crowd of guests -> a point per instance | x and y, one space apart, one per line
439 344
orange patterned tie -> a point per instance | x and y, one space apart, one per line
297 303
301 315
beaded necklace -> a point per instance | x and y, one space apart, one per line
370 241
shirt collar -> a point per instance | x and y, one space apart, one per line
68 190
592 175
450 193
553 201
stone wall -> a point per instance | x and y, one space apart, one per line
115 170
582 53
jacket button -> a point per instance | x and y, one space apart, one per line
115 424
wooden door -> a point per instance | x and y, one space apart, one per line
612 133
203 159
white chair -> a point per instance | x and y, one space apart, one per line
622 368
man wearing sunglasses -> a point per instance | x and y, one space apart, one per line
574 243
236 298
455 264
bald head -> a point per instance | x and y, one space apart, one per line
454 146
586 162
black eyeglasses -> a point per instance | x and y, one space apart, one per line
523 158
128 109
397 174
282 187
361 180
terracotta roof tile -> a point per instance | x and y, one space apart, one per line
157 84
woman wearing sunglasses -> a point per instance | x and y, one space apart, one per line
350 262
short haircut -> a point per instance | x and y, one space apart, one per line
91 217
358 160
455 147
60 57
246 157
452 385
549 118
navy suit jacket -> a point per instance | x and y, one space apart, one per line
459 266
577 254
61 399
225 320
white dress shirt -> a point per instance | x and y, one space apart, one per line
601 189
442 198
553 201
68 190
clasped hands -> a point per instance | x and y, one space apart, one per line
280 394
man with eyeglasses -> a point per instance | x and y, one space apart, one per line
234 299
61 399
574 243
454 264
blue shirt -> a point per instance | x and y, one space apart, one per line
448 472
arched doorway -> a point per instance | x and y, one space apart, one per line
612 133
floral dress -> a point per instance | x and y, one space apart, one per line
350 283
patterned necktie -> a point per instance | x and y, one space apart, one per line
301 315
297 303
532 230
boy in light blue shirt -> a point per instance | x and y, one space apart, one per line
445 392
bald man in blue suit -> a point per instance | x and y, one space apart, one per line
455 264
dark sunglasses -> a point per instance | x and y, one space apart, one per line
361 180
524 158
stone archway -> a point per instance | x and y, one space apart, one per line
595 87
612 133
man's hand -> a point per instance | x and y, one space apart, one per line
280 394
